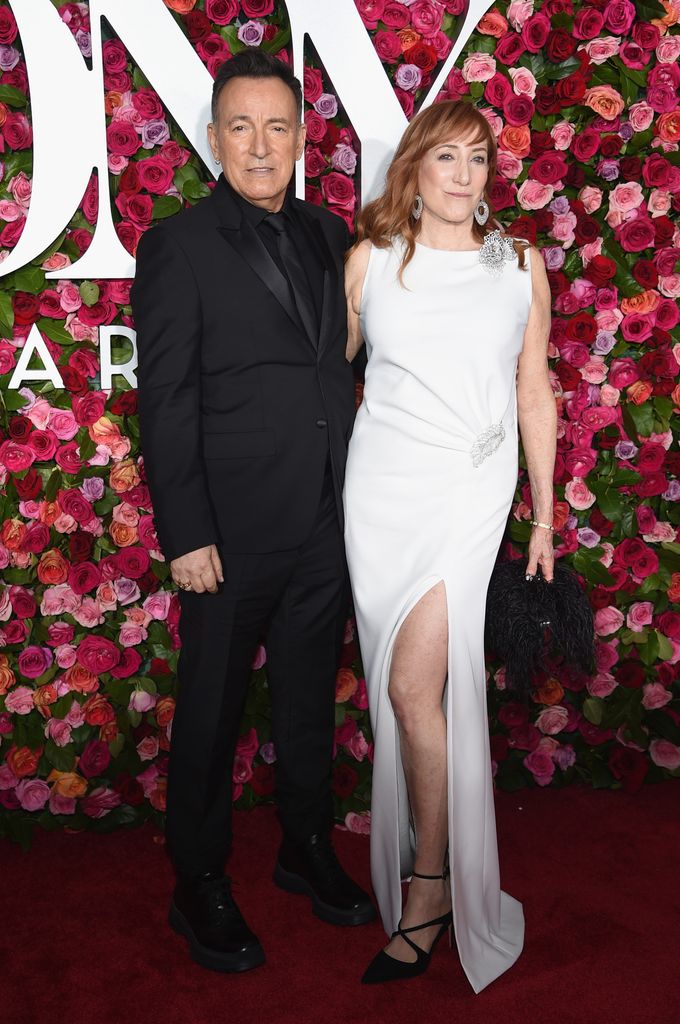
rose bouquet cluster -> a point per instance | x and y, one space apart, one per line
583 101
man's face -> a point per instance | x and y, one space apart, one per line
257 138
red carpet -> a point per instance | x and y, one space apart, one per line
84 939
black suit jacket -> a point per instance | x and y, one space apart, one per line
238 405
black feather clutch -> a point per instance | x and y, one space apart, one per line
531 621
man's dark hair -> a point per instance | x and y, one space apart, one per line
254 63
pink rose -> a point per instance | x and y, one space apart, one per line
357 746
142 701
639 615
641 116
359 823
95 759
668 49
523 83
58 731
99 802
479 67
157 605
619 15
662 752
655 695
578 494
147 749
20 700
518 12
32 794
242 770
33 661
626 196
608 620
600 50
534 195
61 804
552 720
562 133
541 765
591 197
131 635
601 685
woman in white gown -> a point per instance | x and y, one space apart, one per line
455 317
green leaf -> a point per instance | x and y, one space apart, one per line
649 652
89 292
665 646
194 189
281 39
558 71
55 331
53 484
593 709
12 97
165 206
6 314
230 33
86 448
642 417
61 758
12 400
29 279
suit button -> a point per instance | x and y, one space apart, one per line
321 424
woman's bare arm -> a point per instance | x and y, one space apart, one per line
355 272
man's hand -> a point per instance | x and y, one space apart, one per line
201 569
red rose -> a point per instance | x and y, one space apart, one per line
338 190
636 235
115 57
263 780
406 101
256 8
513 714
549 168
76 505
502 194
611 145
122 139
120 82
97 709
601 269
568 375
129 180
125 404
509 48
83 577
631 168
582 327
88 408
619 16
388 47
20 428
497 90
36 538
664 231
312 84
98 654
17 129
645 35
535 31
560 45
26 308
344 781
8 26
570 90
23 602
130 790
587 23
128 664
129 235
80 546
629 767
133 561
197 24
523 227
395 15
30 486
423 56
81 238
547 101
648 487
155 174
95 759
518 110
316 126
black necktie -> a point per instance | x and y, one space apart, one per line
295 272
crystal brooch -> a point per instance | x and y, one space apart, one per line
486 443
495 252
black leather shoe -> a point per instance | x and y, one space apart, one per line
205 913
312 869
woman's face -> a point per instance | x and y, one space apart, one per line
451 179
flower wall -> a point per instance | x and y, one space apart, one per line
583 99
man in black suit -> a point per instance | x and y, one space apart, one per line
246 405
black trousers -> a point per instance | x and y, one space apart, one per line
297 600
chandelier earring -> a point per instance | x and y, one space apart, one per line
417 210
482 212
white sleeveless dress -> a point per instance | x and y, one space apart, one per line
431 474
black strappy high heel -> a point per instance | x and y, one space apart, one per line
384 967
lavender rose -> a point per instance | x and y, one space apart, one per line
251 33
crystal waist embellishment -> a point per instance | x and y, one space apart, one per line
495 252
486 443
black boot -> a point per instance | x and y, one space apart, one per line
312 868
205 913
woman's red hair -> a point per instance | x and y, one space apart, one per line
391 214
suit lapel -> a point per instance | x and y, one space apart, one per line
244 240
315 233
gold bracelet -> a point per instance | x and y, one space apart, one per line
546 526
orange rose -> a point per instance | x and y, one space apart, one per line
639 391
123 535
516 140
52 567
605 101
43 697
675 395
645 302
345 685
408 38
12 534
668 126
674 589
493 24
561 512
23 761
104 431
164 711
7 677
108 732
67 783
48 512
181 6
157 798
3 114
80 680
550 692
124 476
112 100
98 711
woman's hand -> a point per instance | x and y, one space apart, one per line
541 553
